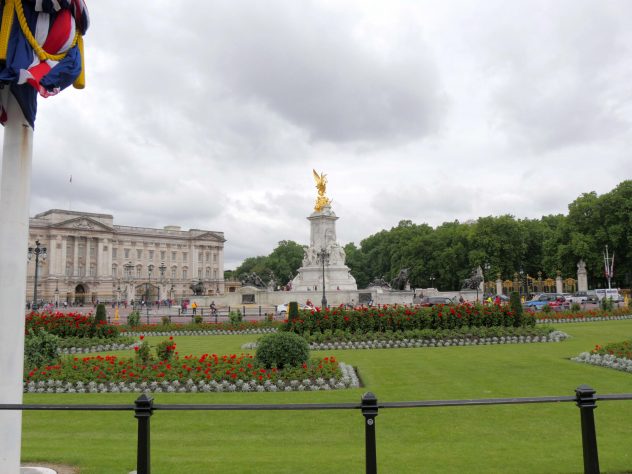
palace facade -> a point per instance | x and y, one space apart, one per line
89 259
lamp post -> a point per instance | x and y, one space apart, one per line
150 268
323 257
486 267
56 293
431 279
523 286
38 251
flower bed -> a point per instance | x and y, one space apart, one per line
191 373
605 360
203 329
402 318
583 316
437 339
201 332
69 325
617 355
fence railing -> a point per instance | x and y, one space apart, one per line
585 398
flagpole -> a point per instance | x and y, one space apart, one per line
15 186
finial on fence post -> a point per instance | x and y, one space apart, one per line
587 402
144 407
369 411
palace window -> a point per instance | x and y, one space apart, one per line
114 252
184 273
151 255
139 254
126 253
173 272
162 254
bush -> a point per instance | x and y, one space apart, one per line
606 304
547 309
516 308
40 348
166 349
100 316
292 312
283 349
165 321
198 319
235 317
133 319
576 307
143 352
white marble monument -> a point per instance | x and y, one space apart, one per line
322 243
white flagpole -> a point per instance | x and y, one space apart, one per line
15 187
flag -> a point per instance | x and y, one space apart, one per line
56 26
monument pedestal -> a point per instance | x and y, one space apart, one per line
323 242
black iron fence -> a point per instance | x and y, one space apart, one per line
585 398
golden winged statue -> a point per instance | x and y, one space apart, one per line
321 185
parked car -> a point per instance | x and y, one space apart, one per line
583 297
612 293
554 300
429 301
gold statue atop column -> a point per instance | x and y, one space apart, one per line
321 185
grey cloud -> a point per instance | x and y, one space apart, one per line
552 81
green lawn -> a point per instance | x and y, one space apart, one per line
521 438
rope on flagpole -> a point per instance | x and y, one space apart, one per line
41 54
5 28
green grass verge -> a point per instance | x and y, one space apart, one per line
521 438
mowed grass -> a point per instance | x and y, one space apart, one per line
543 438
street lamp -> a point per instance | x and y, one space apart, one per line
56 293
486 267
431 279
523 289
38 252
150 268
323 257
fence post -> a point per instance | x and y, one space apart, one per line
369 411
587 402
142 412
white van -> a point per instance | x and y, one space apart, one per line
612 293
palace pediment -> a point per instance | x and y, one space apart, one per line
211 236
83 223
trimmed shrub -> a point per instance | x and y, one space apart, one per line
576 307
607 304
516 308
166 349
292 312
198 319
133 319
40 348
282 349
100 316
235 317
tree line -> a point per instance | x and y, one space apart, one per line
444 256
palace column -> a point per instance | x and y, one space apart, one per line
99 257
75 258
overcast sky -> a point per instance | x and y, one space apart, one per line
212 114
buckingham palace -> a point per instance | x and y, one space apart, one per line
88 258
